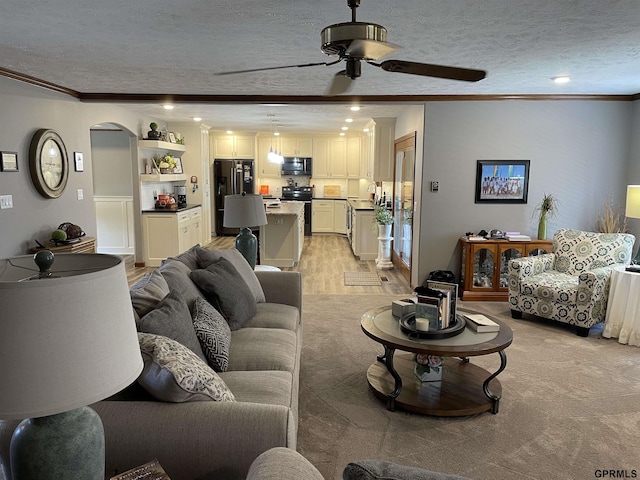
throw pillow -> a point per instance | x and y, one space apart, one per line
224 288
189 257
173 373
171 318
147 292
214 334
176 274
207 257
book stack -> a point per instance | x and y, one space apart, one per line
517 237
480 323
437 304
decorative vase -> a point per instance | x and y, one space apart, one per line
166 170
542 226
154 134
384 231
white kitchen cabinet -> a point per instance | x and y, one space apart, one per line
364 234
282 238
380 159
265 168
340 216
233 146
320 158
353 156
337 158
323 216
167 234
296 146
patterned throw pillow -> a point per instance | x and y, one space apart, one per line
173 373
224 288
214 334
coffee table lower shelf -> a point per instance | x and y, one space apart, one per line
459 393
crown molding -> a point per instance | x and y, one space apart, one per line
292 99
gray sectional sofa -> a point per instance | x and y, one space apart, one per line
258 393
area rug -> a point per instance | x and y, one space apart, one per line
354 279
570 406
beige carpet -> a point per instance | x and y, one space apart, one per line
352 279
570 405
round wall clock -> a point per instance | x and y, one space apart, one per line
48 163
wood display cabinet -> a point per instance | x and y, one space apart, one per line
484 266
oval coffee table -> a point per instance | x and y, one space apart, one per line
465 389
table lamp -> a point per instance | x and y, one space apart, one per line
245 211
67 339
633 210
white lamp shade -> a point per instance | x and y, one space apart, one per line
241 211
633 201
65 342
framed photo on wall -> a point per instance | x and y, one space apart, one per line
8 161
502 181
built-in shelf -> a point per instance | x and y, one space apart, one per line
159 145
163 177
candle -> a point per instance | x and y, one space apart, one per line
422 324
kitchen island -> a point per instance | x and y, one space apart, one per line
282 238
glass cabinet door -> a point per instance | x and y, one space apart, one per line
506 255
483 265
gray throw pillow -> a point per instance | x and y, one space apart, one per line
189 258
224 288
172 319
173 373
206 257
147 292
176 274
214 334
381 470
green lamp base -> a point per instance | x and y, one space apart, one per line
67 445
247 245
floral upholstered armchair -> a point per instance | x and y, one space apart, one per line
570 285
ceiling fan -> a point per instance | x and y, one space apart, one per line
355 42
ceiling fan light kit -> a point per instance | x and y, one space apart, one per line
355 42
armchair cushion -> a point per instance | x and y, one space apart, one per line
552 286
578 251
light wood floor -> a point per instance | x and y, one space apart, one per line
324 260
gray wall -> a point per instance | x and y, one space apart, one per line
25 109
579 151
111 161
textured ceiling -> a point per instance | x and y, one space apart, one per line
176 47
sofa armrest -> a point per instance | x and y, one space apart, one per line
282 464
521 268
203 440
282 287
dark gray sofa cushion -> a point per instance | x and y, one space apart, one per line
225 289
177 276
206 257
171 318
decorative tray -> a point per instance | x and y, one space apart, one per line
408 326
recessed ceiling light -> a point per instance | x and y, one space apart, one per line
345 128
168 106
229 132
196 119
365 129
561 79
277 134
355 108
348 120
342 134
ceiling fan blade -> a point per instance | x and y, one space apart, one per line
340 84
273 68
370 49
429 70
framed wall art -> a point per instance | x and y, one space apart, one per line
502 181
8 161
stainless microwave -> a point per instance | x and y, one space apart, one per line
296 166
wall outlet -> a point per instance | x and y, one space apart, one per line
6 201
435 186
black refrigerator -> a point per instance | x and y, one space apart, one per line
230 177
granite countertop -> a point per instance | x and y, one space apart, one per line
361 204
286 208
170 210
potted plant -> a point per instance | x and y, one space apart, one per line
384 219
154 133
547 208
166 163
